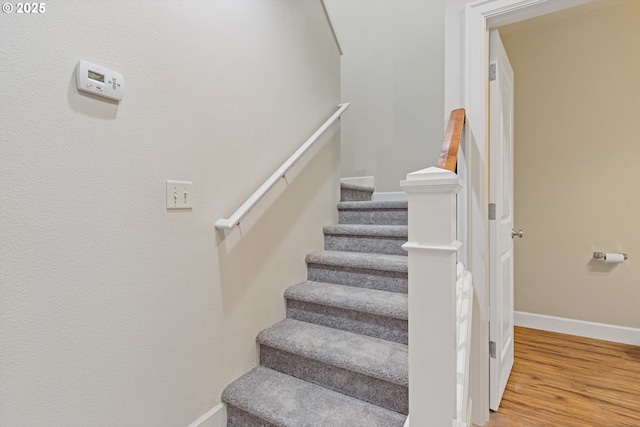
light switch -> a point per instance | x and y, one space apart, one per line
179 194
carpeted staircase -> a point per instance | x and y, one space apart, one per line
340 356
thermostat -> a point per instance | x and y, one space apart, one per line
99 80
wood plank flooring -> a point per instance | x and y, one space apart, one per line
567 381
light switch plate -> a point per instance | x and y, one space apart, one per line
179 195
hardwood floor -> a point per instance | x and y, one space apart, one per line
567 381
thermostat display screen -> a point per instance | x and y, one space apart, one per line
96 76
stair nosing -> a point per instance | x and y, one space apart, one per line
359 260
297 293
366 230
234 397
270 337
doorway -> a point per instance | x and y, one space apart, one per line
467 67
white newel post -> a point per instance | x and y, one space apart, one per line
432 249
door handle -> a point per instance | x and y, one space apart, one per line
518 233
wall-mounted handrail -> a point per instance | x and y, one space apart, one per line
234 220
449 153
333 27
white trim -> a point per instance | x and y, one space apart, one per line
390 196
215 417
519 10
431 180
462 200
474 76
445 249
581 328
333 27
363 181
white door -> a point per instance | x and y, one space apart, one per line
500 228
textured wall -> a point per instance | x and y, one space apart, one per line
576 155
113 310
393 74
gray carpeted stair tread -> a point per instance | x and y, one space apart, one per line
357 260
382 303
372 312
379 239
369 212
400 231
285 401
373 357
364 270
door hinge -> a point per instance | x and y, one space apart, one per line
492 211
492 349
492 72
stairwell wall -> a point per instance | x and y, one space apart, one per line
113 310
393 75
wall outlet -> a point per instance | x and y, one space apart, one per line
179 195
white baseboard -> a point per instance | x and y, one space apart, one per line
600 331
364 181
391 196
215 417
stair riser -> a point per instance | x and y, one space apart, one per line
368 244
373 390
390 281
373 217
238 418
386 328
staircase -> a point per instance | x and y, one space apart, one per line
340 356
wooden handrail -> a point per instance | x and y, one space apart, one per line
449 153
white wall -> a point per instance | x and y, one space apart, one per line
454 52
576 152
113 310
393 74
